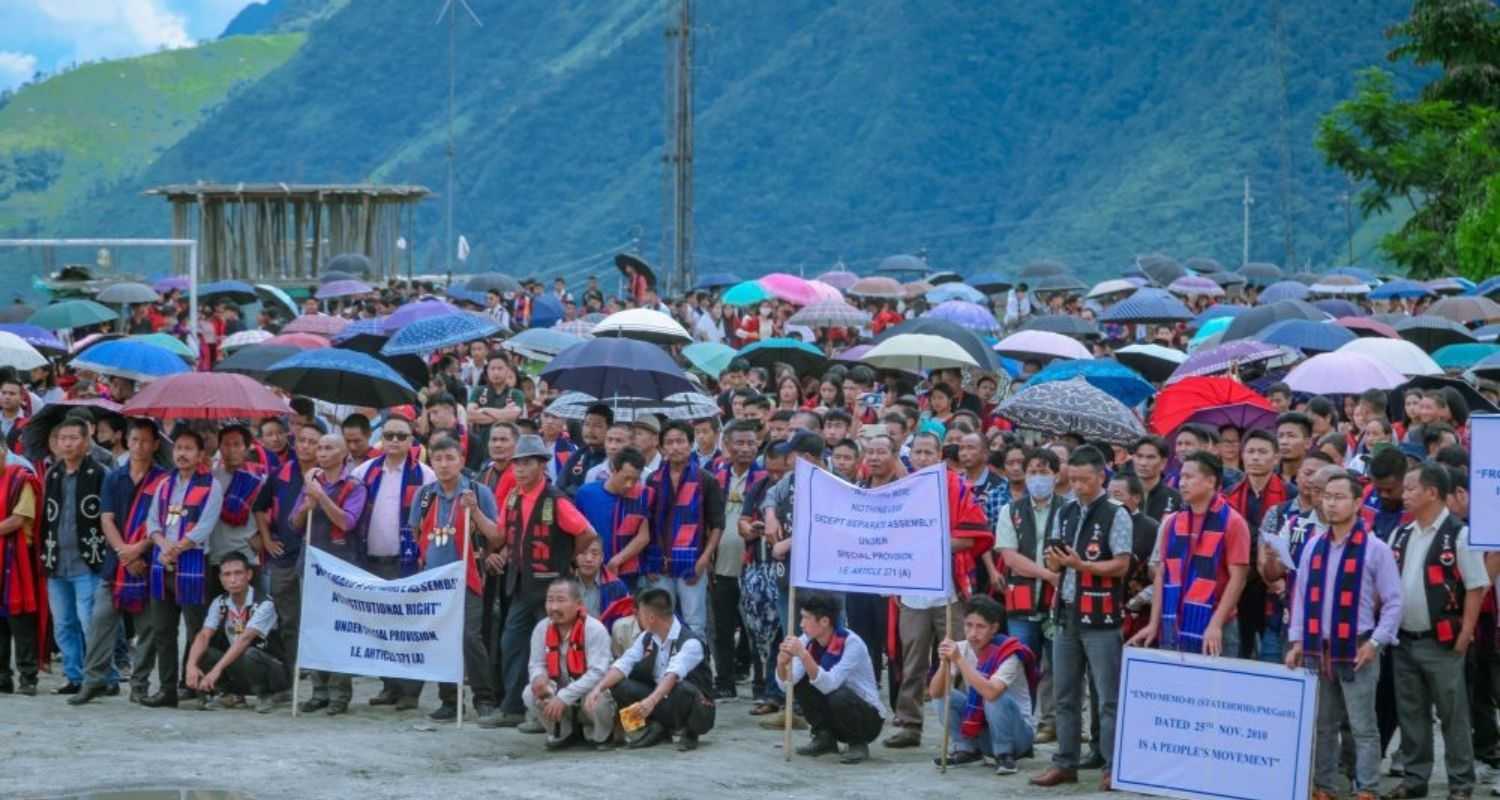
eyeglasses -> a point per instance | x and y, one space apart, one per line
392 436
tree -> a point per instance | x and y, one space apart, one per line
1436 152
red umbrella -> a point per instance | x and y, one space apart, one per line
1364 326
301 341
324 325
206 395
1184 398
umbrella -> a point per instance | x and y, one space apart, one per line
349 264
1478 403
970 341
624 260
943 276
1466 310
1449 285
1363 326
1161 269
435 333
234 291
1337 307
790 288
1111 377
373 328
1245 416
546 311
715 280
1064 283
1459 357
582 328
1250 323
542 344
1305 335
1216 311
1430 333
273 297
902 263
747 293
71 314
492 282
1155 362
1342 372
1284 290
832 314
324 325
1224 357
1400 289
612 367
1488 333
1041 346
1359 274
914 289
235 341
803 357
1305 278
170 283
342 377
127 294
956 291
877 287
1340 286
709 358
1203 264
853 354
92 339
39 427
1111 287
1260 274
206 395
336 289
16 312
1194 286
1065 324
990 282
1226 279
411 312
973 316
916 352
1488 369
1398 354
840 279
1072 406
43 340
16 352
462 295
167 342
1180 400
301 341
255 360
411 368
336 275
643 324
683 406
825 293
1487 287
1148 305
136 361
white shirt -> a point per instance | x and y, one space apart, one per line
708 329
686 660
1414 616
596 657
1012 672
853 670
598 472
383 536
262 621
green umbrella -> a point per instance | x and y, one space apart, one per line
709 358
167 342
71 314
745 294
1458 357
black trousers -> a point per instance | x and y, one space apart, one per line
841 713
1482 688
494 621
1385 700
866 616
165 616
389 568
684 709
476 657
724 604
21 629
256 672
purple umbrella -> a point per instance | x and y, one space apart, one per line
1221 358
1339 308
1342 373
973 316
333 289
1283 290
1041 346
1196 285
178 282
854 353
1241 415
40 338
411 312
839 279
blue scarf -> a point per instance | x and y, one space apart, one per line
677 516
828 657
189 583
411 483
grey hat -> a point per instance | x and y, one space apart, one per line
531 446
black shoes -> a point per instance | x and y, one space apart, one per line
161 700
70 688
88 693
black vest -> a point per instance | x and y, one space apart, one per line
699 677
89 487
539 550
1100 602
1029 595
1440 577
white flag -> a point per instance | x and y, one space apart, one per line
463 248
400 242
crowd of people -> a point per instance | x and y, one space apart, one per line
628 572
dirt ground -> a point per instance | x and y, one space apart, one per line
49 749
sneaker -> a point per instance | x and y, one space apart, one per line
337 707
265 704
446 712
855 754
314 704
958 758
502 720
531 725
903 738
821 744
406 703
1005 765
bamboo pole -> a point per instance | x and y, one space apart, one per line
297 662
947 682
463 597
786 733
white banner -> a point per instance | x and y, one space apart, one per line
890 540
357 623
1191 726
1484 481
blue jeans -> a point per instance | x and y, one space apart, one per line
1030 634
1006 731
689 600
71 601
1271 644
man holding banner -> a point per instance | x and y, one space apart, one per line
829 675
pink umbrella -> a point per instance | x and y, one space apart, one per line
827 293
790 288
1342 372
316 324
838 279
1364 326
302 341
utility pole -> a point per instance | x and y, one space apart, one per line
677 152
1348 198
1248 201
449 242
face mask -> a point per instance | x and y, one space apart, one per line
1040 486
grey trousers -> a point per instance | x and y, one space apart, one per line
1073 647
1353 701
597 727
335 687
476 657
1430 676
101 633
286 595
920 629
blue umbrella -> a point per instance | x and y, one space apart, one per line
233 291
1487 287
1216 311
541 343
957 291
434 333
1111 377
272 296
612 367
1148 305
38 337
1401 289
710 358
1306 335
546 311
1358 273
342 376
1284 290
716 280
973 316
135 360
803 357
365 330
411 312
992 282
464 295
1339 308
1488 333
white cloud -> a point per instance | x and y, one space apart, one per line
15 68
95 29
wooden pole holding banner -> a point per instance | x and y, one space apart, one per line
791 616
947 682
297 662
463 597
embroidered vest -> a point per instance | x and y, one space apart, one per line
1443 583
1100 600
539 549
1029 596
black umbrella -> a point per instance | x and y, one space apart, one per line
1430 333
624 260
1252 321
1150 305
342 376
492 282
256 360
990 282
1042 269
988 359
1227 278
1162 270
1261 274
1061 282
1203 265
611 367
39 427
1396 399
356 265
412 368
1065 324
944 276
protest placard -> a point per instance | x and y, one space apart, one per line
888 540
1192 726
1484 481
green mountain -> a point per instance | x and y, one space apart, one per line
985 134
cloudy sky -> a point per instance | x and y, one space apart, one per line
47 34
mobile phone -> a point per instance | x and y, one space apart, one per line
871 399
1056 544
